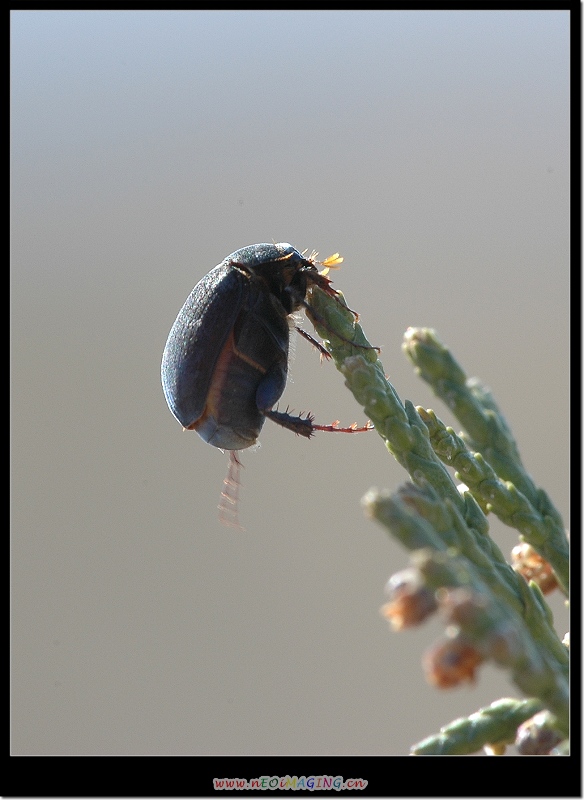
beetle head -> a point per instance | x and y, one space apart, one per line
285 272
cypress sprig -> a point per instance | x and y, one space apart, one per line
508 626
494 724
499 496
500 479
492 612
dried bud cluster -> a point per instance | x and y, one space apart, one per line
451 662
527 562
410 602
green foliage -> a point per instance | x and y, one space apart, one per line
493 611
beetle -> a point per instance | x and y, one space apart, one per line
225 363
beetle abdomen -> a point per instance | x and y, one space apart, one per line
231 418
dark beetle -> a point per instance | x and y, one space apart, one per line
226 359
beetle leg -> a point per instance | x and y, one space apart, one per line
269 392
301 425
313 342
305 426
228 515
334 428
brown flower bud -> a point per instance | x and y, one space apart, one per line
451 662
527 562
410 602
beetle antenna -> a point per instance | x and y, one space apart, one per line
332 262
228 506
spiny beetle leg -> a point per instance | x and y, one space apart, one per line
313 342
334 428
305 426
301 425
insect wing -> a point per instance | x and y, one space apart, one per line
197 338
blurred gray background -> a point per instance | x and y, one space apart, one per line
432 150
